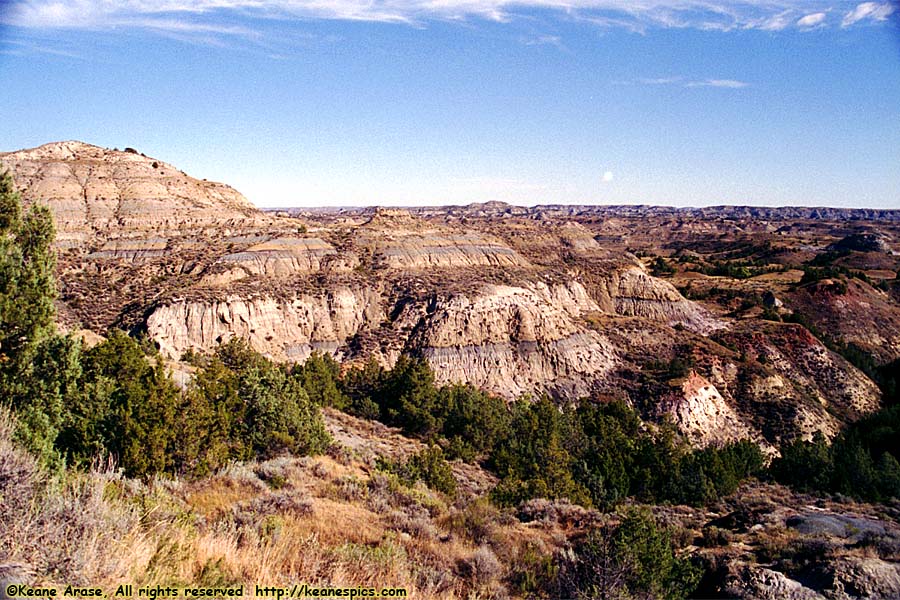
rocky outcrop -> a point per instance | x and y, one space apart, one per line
852 312
287 330
780 381
771 301
280 257
514 340
750 583
133 249
828 384
859 577
787 544
632 292
861 242
845 578
443 250
702 414
504 339
91 189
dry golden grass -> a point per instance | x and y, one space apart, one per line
340 522
288 520
218 494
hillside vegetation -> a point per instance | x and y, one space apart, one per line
236 476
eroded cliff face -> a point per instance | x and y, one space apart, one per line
516 340
702 414
280 257
509 340
508 299
791 385
854 313
286 330
634 293
89 188
441 250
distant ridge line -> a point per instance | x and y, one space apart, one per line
500 209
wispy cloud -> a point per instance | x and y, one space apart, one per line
874 11
776 22
733 84
812 21
23 48
543 40
661 81
636 15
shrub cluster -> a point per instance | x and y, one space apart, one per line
632 559
113 400
660 267
862 462
596 455
428 466
736 269
601 453
467 421
241 405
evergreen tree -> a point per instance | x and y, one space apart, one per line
807 466
210 421
319 375
135 408
602 438
472 421
888 476
27 286
36 368
532 461
409 397
361 387
263 409
51 389
635 559
428 466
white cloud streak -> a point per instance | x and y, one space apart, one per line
543 40
811 21
661 81
23 49
776 22
733 84
874 11
636 15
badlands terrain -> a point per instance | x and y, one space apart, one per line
732 323
731 320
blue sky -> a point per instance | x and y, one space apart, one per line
351 102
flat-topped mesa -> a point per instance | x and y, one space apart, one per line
93 190
399 240
393 218
446 250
